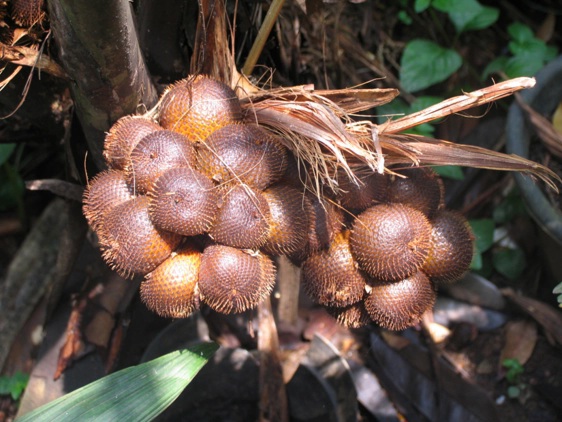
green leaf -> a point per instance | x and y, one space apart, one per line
533 48
510 207
12 187
404 17
393 110
14 385
513 392
477 263
551 53
484 232
467 14
522 66
495 66
510 262
5 152
424 101
425 63
487 267
520 32
558 289
451 172
138 393
421 5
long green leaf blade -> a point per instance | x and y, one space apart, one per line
139 393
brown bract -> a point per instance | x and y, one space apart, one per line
232 280
452 244
401 304
171 289
132 245
184 201
331 277
123 137
391 241
197 106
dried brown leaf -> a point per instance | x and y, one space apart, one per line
520 340
32 57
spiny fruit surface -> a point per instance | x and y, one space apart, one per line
156 153
421 189
451 249
26 12
401 304
243 218
288 228
132 243
352 316
232 280
184 201
328 221
199 105
331 277
372 189
241 153
391 241
123 137
171 289
107 190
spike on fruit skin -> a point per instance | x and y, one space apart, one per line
372 189
232 280
198 106
183 200
105 191
242 153
452 246
243 218
123 137
132 245
288 228
401 304
156 153
352 316
171 289
26 12
421 189
391 241
331 277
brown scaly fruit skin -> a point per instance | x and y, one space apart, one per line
373 189
26 12
452 243
331 277
391 241
184 201
123 137
132 245
243 218
156 153
171 289
401 304
421 189
232 280
242 153
352 316
105 191
198 106
288 228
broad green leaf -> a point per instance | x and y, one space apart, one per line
14 385
425 63
421 5
557 289
510 207
487 266
467 14
520 32
139 393
513 392
522 66
495 66
484 232
12 187
533 48
510 262
404 17
393 110
477 263
551 53
451 172
5 152
443 5
423 102
425 129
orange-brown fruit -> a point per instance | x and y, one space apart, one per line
26 12
296 174
421 189
241 153
372 189
171 289
232 280
155 154
105 191
401 304
184 201
199 105
132 245
123 137
451 249
391 241
352 316
331 277
288 227
242 219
